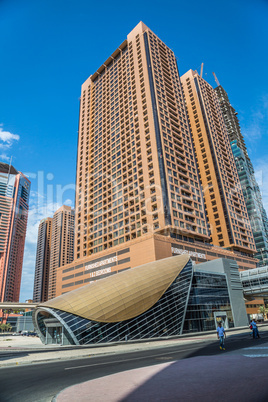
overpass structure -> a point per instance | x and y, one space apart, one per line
255 282
17 306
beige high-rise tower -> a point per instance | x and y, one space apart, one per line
62 244
225 204
136 171
138 192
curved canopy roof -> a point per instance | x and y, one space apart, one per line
122 296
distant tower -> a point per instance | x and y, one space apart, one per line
251 191
40 293
230 119
225 204
14 205
62 244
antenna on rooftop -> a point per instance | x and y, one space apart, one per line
201 70
216 79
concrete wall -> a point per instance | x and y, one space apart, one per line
230 269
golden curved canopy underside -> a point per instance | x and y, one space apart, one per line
122 296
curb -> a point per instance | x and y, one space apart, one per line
32 362
173 337
22 363
19 352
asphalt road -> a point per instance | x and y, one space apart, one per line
41 382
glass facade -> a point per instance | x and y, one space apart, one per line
253 198
14 206
255 281
250 187
209 295
164 318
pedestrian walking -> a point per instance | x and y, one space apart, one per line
255 329
221 335
251 329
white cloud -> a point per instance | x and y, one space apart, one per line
68 202
254 126
7 139
4 157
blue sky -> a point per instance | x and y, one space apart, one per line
49 48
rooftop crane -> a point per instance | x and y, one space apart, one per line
216 79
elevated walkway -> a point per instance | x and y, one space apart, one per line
17 305
255 282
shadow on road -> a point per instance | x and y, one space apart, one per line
208 374
6 355
206 378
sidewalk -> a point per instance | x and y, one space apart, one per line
12 347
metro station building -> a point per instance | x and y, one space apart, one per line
158 299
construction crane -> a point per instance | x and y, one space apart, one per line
216 79
201 71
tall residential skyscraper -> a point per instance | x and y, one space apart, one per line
14 205
139 196
136 170
62 244
42 264
225 204
251 191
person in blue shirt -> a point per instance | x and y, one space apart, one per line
221 335
255 329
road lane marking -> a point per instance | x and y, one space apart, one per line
255 355
128 360
256 347
164 358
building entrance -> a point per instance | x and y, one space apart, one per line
221 316
54 332
57 335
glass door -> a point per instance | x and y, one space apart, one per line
58 335
221 316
